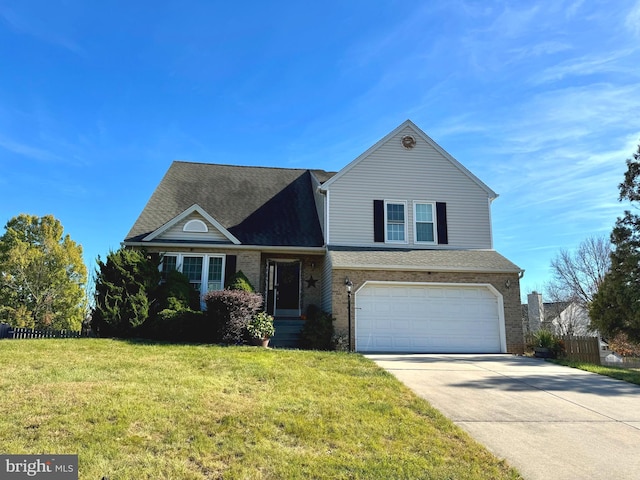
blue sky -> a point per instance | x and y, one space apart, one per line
539 99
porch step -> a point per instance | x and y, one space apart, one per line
287 332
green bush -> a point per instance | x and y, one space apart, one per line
544 338
261 326
239 281
126 285
317 332
176 293
228 313
175 326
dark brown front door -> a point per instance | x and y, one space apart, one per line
283 291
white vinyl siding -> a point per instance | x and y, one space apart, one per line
392 172
319 200
177 231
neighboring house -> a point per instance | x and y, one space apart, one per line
563 318
405 222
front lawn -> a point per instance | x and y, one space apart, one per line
627 374
158 411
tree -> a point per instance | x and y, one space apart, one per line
616 307
42 275
126 285
577 277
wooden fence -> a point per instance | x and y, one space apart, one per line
582 349
21 332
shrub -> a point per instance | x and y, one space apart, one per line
125 283
544 338
340 341
228 313
175 326
261 326
239 281
623 346
317 332
176 293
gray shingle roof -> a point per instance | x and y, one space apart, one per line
258 205
487 261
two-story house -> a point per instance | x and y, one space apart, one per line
405 224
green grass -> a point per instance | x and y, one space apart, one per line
626 374
158 411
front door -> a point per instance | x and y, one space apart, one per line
283 290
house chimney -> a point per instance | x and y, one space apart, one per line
536 311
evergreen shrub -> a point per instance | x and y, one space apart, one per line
317 332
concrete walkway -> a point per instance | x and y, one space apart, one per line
545 420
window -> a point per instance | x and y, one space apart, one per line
197 226
205 272
169 263
424 223
215 274
396 226
192 269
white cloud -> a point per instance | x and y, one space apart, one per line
27 150
41 30
632 21
589 65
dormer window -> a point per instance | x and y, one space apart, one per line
195 226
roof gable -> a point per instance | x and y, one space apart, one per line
158 233
422 136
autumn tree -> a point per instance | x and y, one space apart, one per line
616 306
42 275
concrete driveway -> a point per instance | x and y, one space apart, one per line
545 420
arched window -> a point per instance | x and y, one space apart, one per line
195 226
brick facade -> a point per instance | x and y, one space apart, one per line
510 294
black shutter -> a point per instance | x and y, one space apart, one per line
229 268
378 220
441 217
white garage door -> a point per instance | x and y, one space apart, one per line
392 317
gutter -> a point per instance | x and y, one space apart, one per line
199 246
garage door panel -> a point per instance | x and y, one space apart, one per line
425 318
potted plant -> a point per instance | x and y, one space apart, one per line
545 344
261 328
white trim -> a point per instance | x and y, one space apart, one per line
408 123
326 217
211 246
193 208
490 223
406 221
434 221
420 268
491 288
204 279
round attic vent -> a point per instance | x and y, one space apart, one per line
408 142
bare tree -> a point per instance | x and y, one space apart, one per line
577 276
564 315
